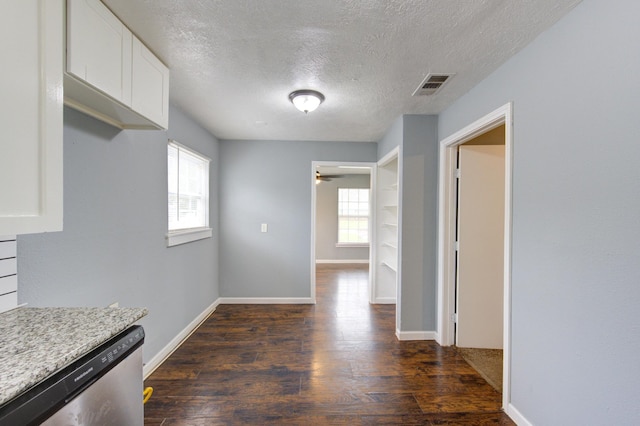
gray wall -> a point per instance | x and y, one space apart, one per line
419 233
327 219
270 182
113 244
576 210
392 138
417 137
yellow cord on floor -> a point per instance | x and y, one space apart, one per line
146 394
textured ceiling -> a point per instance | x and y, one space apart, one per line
234 62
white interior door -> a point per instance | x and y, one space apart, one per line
480 272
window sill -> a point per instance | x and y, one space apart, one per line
352 244
184 236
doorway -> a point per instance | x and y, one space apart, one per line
330 181
447 268
480 254
480 241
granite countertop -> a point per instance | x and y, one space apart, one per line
37 342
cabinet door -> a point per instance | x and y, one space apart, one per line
150 85
99 48
31 42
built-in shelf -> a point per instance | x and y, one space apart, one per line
389 265
388 228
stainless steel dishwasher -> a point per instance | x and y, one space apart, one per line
103 387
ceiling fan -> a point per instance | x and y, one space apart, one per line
325 178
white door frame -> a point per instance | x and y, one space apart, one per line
446 231
372 204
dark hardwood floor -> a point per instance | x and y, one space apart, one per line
336 362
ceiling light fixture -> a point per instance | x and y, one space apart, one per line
306 100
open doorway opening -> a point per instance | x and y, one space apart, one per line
480 253
342 219
448 233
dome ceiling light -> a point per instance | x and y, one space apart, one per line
306 100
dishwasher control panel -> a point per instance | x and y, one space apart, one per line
104 359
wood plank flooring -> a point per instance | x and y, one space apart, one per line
336 362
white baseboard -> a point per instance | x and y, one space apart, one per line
384 300
416 335
516 416
342 260
175 343
267 301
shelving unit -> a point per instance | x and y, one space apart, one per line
394 268
386 264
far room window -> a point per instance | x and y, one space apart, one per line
188 194
353 216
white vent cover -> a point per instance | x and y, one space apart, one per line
431 84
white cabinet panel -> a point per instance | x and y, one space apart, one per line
8 267
99 48
8 270
8 284
32 45
150 85
8 301
7 248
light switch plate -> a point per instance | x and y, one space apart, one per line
263 227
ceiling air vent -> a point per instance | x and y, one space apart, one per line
431 84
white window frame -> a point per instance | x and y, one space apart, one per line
355 244
186 235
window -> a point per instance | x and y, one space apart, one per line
188 195
353 216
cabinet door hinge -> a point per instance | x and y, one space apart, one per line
458 173
454 318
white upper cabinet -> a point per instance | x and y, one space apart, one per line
150 85
99 49
32 46
110 74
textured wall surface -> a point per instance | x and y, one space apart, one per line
271 182
419 195
113 248
392 138
417 137
576 234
